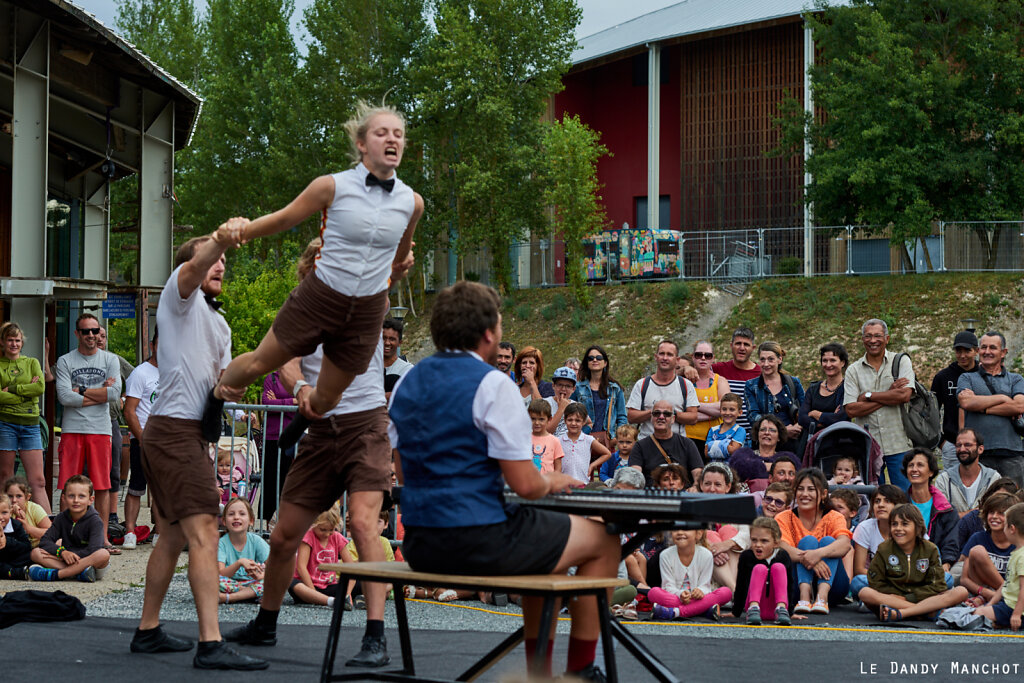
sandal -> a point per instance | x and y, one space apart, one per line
113 550
446 595
886 613
410 592
629 613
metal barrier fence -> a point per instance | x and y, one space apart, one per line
242 434
743 255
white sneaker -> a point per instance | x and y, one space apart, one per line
100 573
155 536
129 541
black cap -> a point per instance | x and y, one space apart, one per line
966 340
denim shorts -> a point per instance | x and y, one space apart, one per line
19 437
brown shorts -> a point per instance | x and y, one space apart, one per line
348 326
341 453
178 467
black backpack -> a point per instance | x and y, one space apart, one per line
19 606
922 419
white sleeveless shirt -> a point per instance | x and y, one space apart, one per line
361 233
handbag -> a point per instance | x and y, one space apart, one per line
1017 421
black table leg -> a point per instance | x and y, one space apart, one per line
327 670
607 639
403 630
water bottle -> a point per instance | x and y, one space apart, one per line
241 489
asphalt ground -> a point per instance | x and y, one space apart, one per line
448 638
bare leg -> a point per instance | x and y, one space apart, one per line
980 572
103 508
293 522
201 532
594 552
725 575
238 596
132 504
244 369
310 595
159 571
364 510
33 462
7 465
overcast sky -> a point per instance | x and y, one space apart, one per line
597 14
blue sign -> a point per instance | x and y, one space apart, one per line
119 306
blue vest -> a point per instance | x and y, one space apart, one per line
449 480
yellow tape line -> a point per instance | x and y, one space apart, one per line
684 624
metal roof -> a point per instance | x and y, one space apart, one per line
685 18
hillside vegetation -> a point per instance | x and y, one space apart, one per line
924 312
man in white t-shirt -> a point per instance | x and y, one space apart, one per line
140 394
663 385
195 349
394 365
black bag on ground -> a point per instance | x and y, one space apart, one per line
18 606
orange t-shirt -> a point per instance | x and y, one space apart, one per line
831 524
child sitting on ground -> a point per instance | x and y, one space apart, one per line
906 578
987 553
81 534
727 437
845 471
547 450
15 548
582 454
322 544
872 532
763 573
686 589
1005 607
777 497
241 554
31 515
625 437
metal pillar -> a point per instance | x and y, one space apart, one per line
156 188
30 127
97 235
653 135
808 179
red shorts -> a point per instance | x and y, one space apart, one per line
78 450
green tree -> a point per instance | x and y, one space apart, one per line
921 115
572 151
483 83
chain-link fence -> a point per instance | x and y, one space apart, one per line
735 257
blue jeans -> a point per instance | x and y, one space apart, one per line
857 583
894 467
839 582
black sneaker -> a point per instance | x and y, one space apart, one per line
18 574
251 634
212 415
373 653
591 673
217 655
290 435
154 641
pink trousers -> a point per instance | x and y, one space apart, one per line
719 596
759 584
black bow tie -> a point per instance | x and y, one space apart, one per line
386 185
214 304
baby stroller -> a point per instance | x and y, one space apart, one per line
245 461
844 439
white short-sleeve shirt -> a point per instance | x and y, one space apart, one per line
143 384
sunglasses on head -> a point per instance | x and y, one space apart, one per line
593 358
89 330
703 354
661 413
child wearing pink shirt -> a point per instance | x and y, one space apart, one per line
322 544
547 450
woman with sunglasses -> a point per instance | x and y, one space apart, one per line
601 395
710 389
21 385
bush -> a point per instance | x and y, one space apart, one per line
579 319
472 276
764 309
676 295
548 313
558 303
523 311
791 265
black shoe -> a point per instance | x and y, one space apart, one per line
18 574
591 673
212 415
290 435
373 653
153 641
217 655
500 599
251 634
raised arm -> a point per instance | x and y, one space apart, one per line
208 252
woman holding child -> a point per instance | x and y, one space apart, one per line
601 395
711 388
